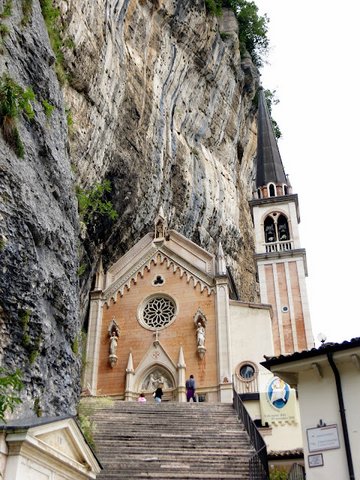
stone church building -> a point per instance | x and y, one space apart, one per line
166 309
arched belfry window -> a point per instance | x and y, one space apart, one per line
283 228
272 191
269 230
276 228
285 189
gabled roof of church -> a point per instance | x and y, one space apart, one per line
177 251
269 167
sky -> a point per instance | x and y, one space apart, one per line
314 66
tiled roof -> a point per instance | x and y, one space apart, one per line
314 352
283 454
26 423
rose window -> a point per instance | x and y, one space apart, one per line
158 312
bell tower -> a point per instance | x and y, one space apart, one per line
281 262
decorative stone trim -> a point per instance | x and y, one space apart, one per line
126 281
157 312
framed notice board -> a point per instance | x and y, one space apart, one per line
322 438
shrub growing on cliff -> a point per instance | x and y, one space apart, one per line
14 101
26 6
7 10
51 17
10 387
48 108
253 28
214 7
4 29
93 203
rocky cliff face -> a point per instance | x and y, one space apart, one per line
162 107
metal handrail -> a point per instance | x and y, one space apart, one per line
255 438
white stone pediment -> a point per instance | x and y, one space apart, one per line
177 252
62 440
57 446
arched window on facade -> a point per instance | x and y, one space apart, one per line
285 189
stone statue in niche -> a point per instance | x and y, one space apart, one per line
200 339
160 225
114 333
200 335
113 343
200 325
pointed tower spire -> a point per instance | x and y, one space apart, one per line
269 167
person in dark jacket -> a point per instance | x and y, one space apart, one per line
158 393
190 389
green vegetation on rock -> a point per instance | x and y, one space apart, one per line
10 387
86 410
26 6
253 29
51 17
214 7
252 26
48 108
14 101
93 203
7 10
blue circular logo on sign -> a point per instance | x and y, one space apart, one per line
278 392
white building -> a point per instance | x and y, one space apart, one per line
328 383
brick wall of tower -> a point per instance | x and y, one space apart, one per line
283 289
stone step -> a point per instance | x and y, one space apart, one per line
170 441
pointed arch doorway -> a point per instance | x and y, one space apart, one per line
156 367
157 375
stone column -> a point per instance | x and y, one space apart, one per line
223 338
130 376
181 368
93 342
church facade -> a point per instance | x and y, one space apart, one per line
164 311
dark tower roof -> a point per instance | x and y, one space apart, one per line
269 167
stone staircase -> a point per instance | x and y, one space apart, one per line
170 441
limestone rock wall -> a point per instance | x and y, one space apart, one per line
162 107
39 306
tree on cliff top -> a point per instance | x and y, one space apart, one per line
253 27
